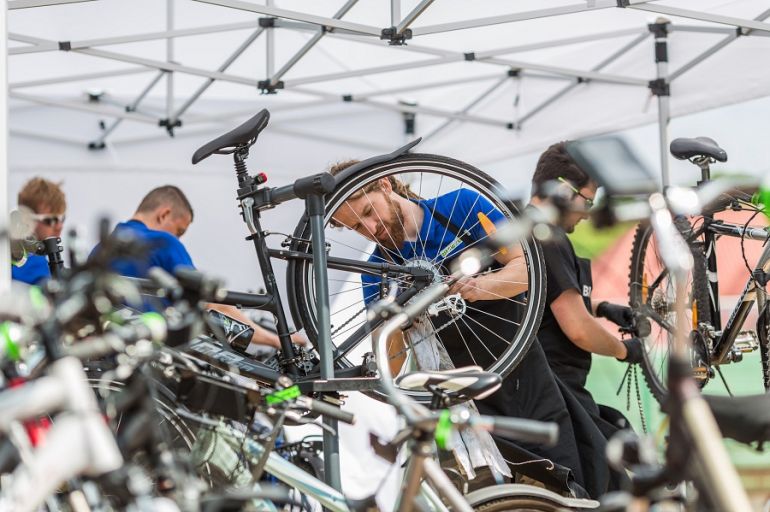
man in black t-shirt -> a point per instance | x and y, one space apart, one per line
569 332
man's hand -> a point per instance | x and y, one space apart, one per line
634 351
622 316
469 288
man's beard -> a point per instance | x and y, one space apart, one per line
394 236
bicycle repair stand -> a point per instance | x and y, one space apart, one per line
254 199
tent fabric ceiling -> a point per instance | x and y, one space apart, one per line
492 107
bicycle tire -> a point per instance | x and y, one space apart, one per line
655 358
429 167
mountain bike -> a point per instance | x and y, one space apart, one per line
325 266
722 231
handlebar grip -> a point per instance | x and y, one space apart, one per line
530 431
330 411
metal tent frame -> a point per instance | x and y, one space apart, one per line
401 35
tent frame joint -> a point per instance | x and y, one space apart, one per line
169 125
65 46
267 22
268 87
660 87
394 37
659 29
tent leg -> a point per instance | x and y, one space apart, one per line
5 251
660 88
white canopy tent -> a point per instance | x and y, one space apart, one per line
486 80
483 81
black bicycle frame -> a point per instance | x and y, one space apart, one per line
712 230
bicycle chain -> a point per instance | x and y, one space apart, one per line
634 375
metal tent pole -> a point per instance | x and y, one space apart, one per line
660 88
5 251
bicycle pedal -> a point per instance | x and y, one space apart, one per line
746 341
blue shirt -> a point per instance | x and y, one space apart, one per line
166 251
436 242
34 270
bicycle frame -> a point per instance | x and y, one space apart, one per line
751 292
418 467
78 443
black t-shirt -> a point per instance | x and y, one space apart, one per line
564 271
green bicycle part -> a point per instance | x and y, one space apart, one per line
443 434
283 395
11 348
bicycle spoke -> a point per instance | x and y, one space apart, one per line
517 324
451 212
494 356
387 229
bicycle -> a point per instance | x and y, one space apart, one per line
714 343
317 257
695 449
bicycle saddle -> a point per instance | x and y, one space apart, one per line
684 149
745 419
245 135
468 382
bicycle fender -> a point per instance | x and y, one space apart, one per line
525 490
347 173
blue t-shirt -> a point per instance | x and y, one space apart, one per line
436 242
166 251
34 270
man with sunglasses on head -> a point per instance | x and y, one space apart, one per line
45 199
570 332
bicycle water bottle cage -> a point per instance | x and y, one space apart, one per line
697 148
240 138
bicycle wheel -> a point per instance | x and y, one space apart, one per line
471 333
652 293
651 290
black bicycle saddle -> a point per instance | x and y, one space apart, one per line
684 149
467 383
245 135
745 419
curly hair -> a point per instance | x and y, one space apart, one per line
39 193
399 187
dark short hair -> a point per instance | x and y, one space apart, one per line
556 163
167 195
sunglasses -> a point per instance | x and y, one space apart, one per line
49 220
588 200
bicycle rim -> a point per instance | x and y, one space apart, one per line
429 176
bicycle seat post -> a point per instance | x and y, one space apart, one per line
704 162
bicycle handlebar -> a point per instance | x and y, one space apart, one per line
320 184
326 410
518 429
152 327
